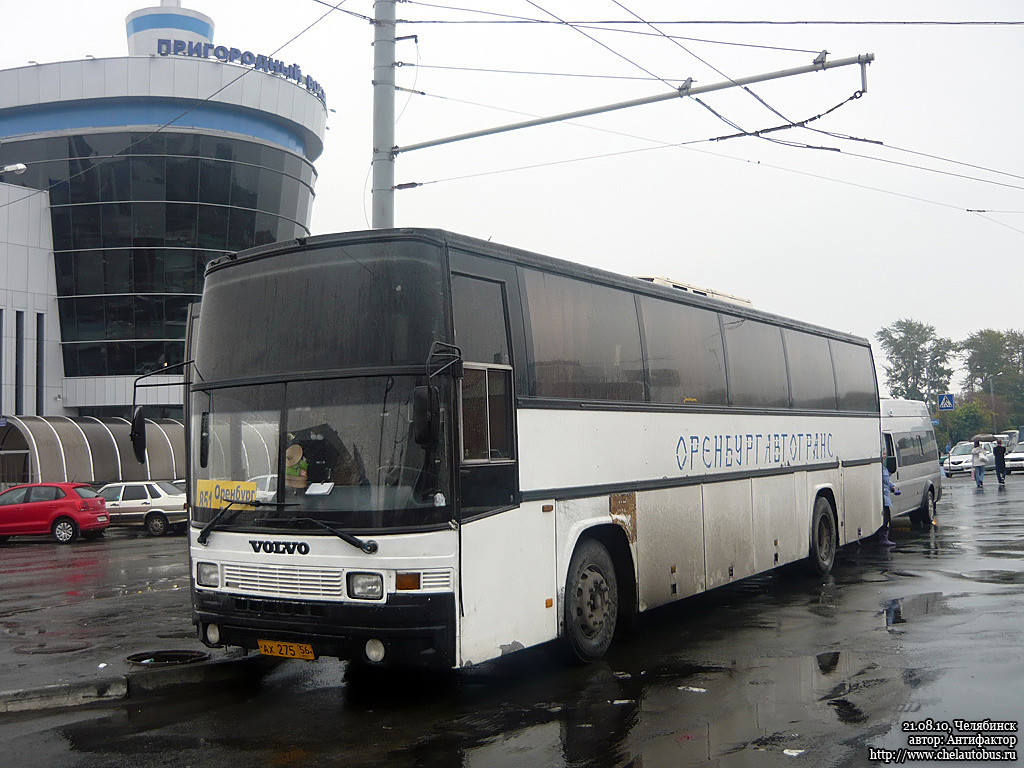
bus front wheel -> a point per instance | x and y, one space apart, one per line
823 537
591 601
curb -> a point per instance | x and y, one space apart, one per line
158 681
64 695
136 683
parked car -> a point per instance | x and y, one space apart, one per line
64 510
959 459
155 504
266 487
1015 459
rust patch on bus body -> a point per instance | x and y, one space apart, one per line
622 508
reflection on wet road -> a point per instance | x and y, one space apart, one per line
88 577
778 670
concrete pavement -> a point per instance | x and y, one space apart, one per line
67 649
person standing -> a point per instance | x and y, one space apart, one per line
887 486
1000 453
979 458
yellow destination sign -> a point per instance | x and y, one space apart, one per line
220 493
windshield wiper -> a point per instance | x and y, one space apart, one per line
369 546
204 535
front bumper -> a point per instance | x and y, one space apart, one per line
415 629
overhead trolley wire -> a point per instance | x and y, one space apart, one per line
609 26
511 19
603 45
757 134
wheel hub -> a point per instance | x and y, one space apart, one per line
593 604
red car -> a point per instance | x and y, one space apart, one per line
64 510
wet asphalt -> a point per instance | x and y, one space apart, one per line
776 670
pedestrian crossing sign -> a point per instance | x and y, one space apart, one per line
945 402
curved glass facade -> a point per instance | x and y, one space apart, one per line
56 449
136 216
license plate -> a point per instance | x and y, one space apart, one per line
286 650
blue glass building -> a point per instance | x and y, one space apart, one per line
153 164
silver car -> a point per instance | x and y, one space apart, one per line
156 505
959 459
1015 459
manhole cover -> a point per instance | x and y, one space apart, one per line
52 648
166 658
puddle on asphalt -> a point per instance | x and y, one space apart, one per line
902 610
685 715
991 577
51 647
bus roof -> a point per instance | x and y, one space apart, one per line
443 238
900 407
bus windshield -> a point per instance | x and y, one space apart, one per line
371 305
340 451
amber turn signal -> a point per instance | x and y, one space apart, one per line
407 581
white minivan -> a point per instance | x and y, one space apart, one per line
912 457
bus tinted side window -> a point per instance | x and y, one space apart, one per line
757 365
810 370
931 447
917 447
486 419
480 329
585 340
855 377
684 352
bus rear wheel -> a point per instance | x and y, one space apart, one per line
823 537
591 601
923 514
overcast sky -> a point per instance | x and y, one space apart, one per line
851 239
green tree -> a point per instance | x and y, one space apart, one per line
917 361
1013 345
1012 380
985 354
968 419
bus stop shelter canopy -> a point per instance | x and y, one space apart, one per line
48 449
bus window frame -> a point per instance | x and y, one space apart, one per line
509 416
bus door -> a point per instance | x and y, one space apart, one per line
507 549
893 463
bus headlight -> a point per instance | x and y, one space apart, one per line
207 575
366 586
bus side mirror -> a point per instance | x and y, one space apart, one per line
204 439
138 435
890 464
426 415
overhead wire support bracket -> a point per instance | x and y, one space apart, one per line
686 89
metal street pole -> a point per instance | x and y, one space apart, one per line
383 185
992 399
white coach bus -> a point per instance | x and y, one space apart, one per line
479 449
